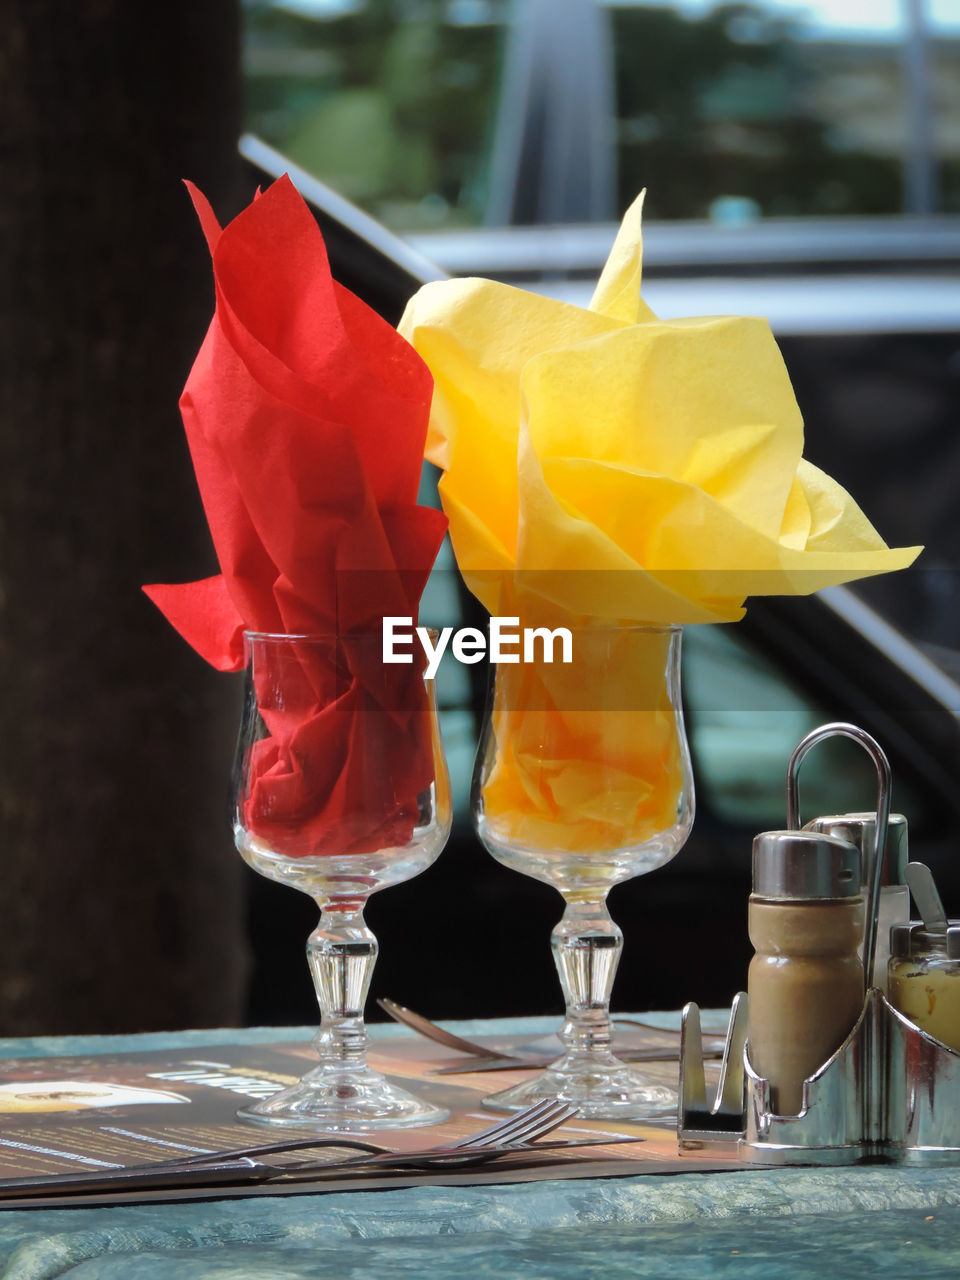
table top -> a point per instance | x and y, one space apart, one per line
870 1221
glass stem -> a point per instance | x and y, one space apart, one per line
586 948
341 953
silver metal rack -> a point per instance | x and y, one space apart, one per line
890 1091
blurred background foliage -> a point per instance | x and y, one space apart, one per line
393 114
394 104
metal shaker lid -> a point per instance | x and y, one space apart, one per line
911 940
795 865
858 829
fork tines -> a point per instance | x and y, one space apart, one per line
524 1126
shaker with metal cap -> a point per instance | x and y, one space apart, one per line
925 979
925 962
805 983
859 829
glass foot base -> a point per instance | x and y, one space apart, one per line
343 1100
599 1086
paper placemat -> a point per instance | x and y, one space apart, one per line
98 1113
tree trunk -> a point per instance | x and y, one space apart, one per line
122 898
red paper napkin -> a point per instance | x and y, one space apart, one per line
306 416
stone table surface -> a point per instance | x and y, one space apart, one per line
859 1222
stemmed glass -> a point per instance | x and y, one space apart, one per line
583 780
340 789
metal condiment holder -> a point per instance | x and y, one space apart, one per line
833 1127
890 1091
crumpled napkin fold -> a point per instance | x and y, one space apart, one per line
613 466
305 415
604 466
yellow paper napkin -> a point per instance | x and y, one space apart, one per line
611 465
602 466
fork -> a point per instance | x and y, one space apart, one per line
516 1132
417 1022
522 1126
245 1165
495 1059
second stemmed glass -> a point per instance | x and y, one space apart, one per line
340 789
583 780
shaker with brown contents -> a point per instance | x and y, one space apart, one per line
805 983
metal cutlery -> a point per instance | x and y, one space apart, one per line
467 1067
460 1157
925 894
515 1133
488 1059
417 1022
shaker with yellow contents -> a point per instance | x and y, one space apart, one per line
805 983
924 979
924 969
